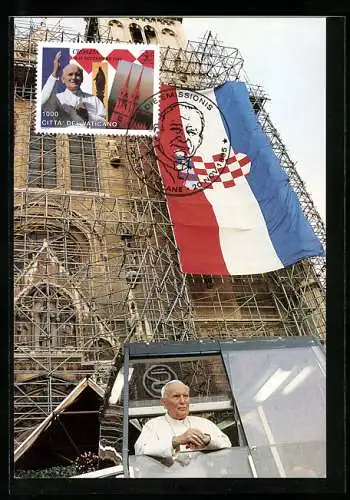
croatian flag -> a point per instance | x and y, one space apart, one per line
231 204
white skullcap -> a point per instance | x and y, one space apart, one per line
164 388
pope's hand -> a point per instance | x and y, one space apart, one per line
74 114
56 64
192 438
82 111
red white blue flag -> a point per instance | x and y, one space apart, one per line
233 209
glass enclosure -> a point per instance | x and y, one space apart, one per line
267 394
281 400
205 376
210 393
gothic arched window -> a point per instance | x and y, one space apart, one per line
100 349
71 249
167 31
150 34
45 318
136 33
115 22
42 161
83 163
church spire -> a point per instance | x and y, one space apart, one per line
126 104
125 88
136 92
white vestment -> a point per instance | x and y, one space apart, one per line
157 434
57 102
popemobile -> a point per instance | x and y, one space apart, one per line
266 394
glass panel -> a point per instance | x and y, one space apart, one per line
49 180
83 164
291 460
76 178
35 144
88 149
111 425
210 395
281 397
205 376
42 162
304 459
75 145
76 161
231 462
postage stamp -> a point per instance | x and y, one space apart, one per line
95 88
191 147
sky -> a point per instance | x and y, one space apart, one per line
287 57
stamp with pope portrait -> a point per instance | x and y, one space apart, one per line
95 88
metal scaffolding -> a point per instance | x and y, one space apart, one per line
96 262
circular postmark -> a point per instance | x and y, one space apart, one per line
155 377
190 146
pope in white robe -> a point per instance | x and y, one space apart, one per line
168 435
73 106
